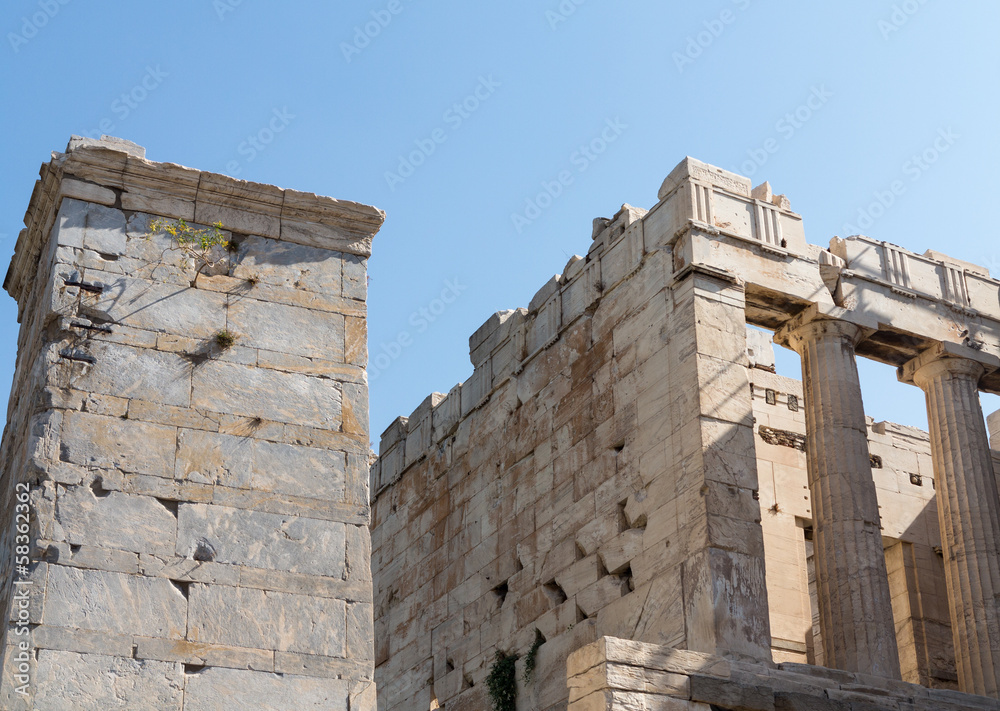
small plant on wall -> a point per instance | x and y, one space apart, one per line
502 682
225 339
207 246
532 657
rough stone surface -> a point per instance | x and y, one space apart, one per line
612 675
91 682
133 523
624 461
255 619
187 499
263 540
293 398
84 225
236 690
114 602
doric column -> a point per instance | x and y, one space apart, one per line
856 623
968 513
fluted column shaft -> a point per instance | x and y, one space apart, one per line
969 518
855 606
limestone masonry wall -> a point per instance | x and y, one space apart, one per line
199 513
620 494
562 488
625 463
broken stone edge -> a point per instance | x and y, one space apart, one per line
115 173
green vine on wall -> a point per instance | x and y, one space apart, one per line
532 656
502 682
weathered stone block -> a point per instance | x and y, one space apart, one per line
82 641
195 653
288 265
87 192
261 619
355 277
235 690
731 694
85 225
136 373
262 540
189 570
91 682
164 308
288 329
293 398
112 443
110 519
299 471
114 602
211 458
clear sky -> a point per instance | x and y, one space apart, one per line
450 116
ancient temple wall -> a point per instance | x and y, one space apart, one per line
623 463
191 438
563 490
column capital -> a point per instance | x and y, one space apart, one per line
947 358
815 321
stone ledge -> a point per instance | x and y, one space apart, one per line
620 675
188 570
93 168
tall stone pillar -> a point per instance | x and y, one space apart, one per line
855 607
712 472
968 513
184 491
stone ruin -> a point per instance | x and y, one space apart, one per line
628 498
194 446
624 495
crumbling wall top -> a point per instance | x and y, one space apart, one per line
114 172
691 168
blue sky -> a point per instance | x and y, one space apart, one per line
451 116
